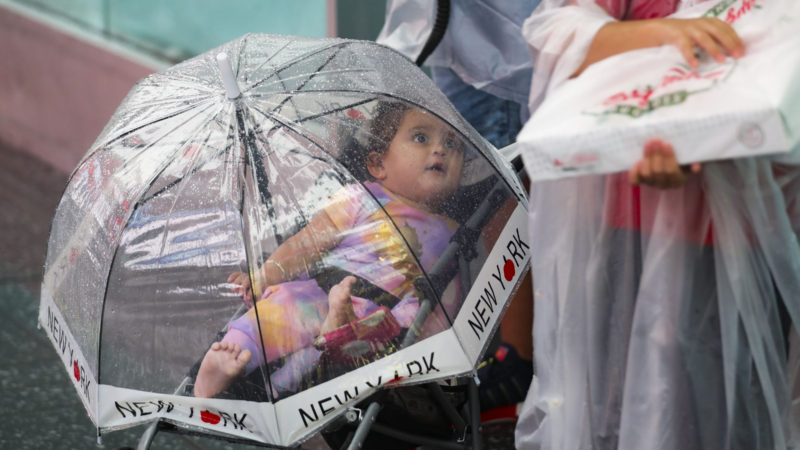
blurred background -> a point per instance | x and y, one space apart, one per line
66 65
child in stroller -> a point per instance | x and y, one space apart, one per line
414 165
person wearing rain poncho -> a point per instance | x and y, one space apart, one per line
665 318
412 179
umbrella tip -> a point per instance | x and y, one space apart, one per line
228 78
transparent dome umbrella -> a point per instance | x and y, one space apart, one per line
174 230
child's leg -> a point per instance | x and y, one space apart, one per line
288 321
223 363
340 306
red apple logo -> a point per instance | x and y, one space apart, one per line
396 378
509 270
209 417
76 370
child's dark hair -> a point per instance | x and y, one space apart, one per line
384 124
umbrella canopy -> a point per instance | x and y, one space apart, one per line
194 181
598 122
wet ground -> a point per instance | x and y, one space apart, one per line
40 409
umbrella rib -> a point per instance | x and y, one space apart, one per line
248 265
208 92
251 163
175 182
126 133
377 94
286 122
247 158
247 140
313 75
270 58
318 72
195 83
289 64
178 99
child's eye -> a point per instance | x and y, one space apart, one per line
453 144
420 138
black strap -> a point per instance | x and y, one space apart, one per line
327 277
437 33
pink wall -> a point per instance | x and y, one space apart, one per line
56 91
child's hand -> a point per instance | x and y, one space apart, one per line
714 36
242 282
659 167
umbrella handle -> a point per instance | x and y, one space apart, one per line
228 78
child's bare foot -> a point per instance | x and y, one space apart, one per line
340 306
222 364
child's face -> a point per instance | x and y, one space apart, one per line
423 163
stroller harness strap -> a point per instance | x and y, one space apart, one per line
327 277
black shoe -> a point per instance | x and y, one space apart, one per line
505 378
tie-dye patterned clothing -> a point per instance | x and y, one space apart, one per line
290 314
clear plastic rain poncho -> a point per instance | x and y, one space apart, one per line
664 319
337 226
